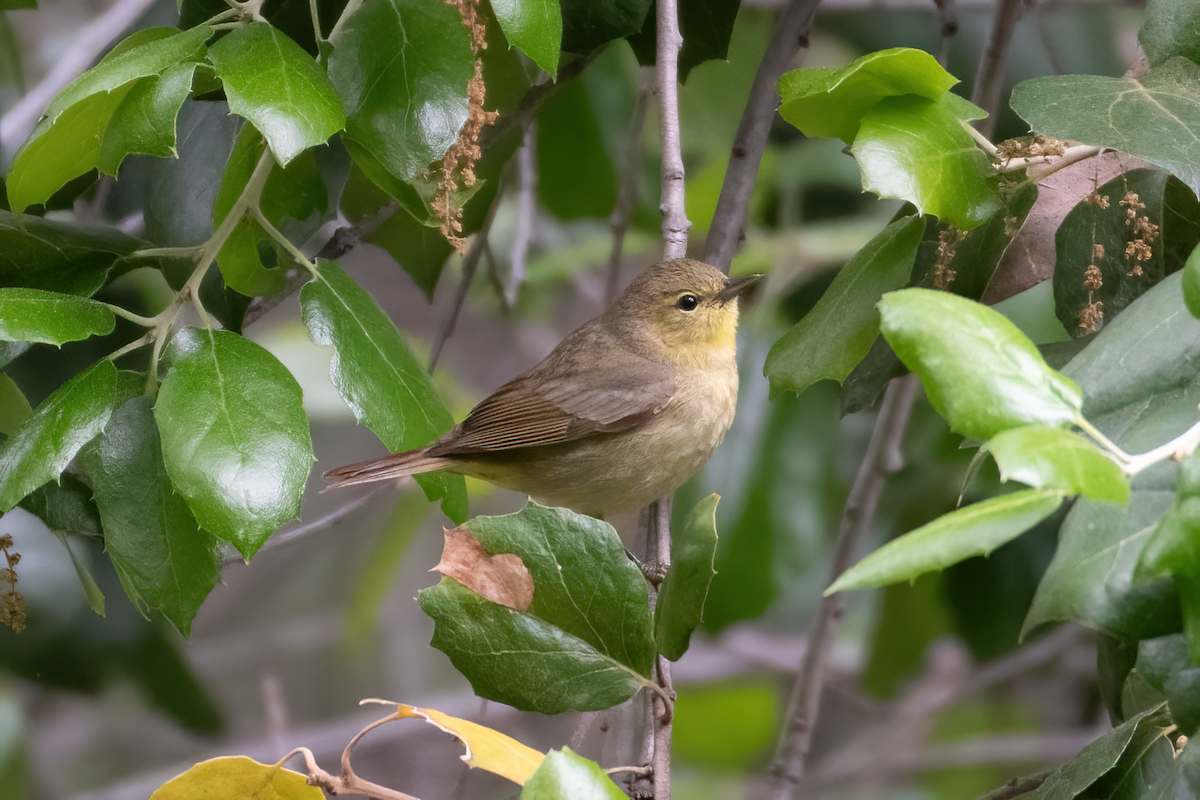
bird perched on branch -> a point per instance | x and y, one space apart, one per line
624 410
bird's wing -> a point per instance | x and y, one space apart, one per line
560 400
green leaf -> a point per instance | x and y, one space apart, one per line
533 26
34 315
82 129
1183 777
1191 282
1170 28
916 149
972 531
236 777
402 68
55 256
1056 459
587 24
1155 116
378 376
165 562
585 641
47 441
1095 760
519 659
235 437
1165 664
706 27
1172 547
564 774
836 334
980 372
681 598
1091 578
14 408
91 591
569 123
1101 234
278 87
833 102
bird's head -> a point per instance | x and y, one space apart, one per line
690 308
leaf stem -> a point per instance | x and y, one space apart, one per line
145 322
1184 444
286 243
1118 455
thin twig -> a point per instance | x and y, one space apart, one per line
526 191
883 456
675 223
618 221
728 227
470 262
989 77
948 17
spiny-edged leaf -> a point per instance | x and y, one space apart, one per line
34 315
836 334
980 372
144 122
587 24
1141 229
517 658
1155 115
1074 777
534 27
402 68
486 748
706 27
916 149
238 777
832 102
1170 28
272 82
14 407
1191 282
1052 458
55 256
165 562
49 438
975 530
681 597
564 773
378 376
235 437
1091 582
583 583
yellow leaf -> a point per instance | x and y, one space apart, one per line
234 777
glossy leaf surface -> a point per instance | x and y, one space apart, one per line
534 27
33 315
1056 459
680 605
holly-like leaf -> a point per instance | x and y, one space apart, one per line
587 24
33 315
836 334
1171 549
49 438
378 376
235 437
585 641
917 149
533 26
55 256
833 102
144 121
402 68
975 530
237 777
1056 459
278 87
567 774
1166 665
681 597
980 372
14 407
1154 116
706 27
165 562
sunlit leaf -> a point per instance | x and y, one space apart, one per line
238 778
1056 459
486 748
975 530
566 774
534 26
33 315
980 372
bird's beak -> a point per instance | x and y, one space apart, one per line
734 286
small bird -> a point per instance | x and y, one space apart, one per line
624 410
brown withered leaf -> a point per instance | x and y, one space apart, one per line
501 578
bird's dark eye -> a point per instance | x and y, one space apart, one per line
687 302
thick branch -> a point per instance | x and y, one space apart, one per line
728 227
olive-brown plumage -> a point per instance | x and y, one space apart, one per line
625 409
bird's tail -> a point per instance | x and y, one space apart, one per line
396 465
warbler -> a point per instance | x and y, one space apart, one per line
624 410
